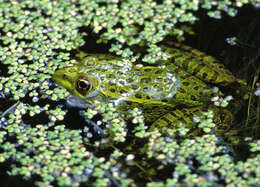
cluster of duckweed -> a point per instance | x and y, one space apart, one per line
36 38
111 126
57 154
148 22
38 35
204 161
69 158
205 121
218 99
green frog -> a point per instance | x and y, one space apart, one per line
167 92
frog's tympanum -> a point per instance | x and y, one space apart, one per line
166 92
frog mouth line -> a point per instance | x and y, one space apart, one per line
77 102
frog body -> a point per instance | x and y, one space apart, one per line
180 81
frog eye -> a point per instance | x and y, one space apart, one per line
83 85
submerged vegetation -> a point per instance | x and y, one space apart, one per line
40 139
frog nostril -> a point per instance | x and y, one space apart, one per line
65 76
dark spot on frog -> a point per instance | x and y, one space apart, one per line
184 120
204 76
103 86
165 100
155 97
146 89
129 80
173 113
159 79
158 88
139 72
198 68
112 90
123 91
91 62
120 73
177 70
121 82
159 71
196 88
86 56
188 59
102 78
111 83
196 110
135 87
177 55
166 120
110 76
181 90
168 81
214 76
183 64
193 97
200 59
146 80
221 66
147 70
185 83
139 96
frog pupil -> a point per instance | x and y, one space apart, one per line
83 85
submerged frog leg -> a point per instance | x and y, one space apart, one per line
222 118
176 116
197 63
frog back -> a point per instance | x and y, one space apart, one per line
163 84
120 79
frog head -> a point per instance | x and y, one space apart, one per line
76 82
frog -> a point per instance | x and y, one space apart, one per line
167 92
